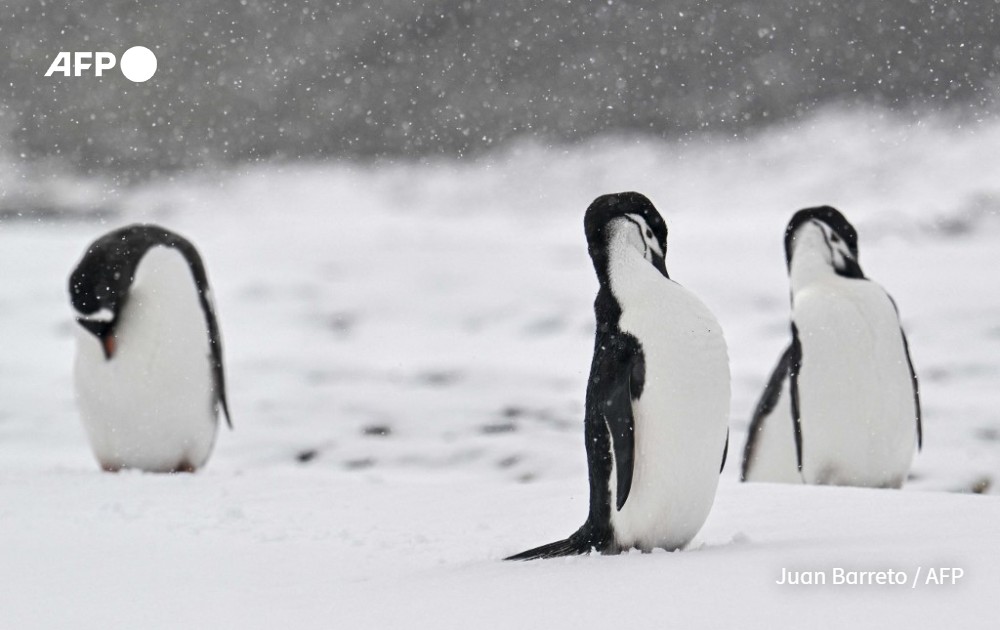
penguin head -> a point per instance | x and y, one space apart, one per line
824 232
99 286
634 216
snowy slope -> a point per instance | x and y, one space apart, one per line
420 335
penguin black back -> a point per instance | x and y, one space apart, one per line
99 286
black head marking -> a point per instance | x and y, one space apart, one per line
99 287
828 215
841 228
100 283
608 207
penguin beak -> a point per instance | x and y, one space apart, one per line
109 345
105 333
660 263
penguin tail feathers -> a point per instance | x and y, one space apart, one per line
575 545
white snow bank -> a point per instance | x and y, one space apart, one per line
307 550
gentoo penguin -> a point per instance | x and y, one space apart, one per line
657 406
149 375
843 406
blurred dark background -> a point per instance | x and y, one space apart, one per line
244 80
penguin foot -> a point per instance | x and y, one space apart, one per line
184 467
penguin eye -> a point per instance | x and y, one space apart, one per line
835 238
649 233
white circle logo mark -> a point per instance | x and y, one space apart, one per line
138 64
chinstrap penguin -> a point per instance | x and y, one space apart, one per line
842 407
148 374
657 405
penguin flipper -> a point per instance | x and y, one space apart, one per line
794 367
913 376
725 453
211 321
618 415
916 392
765 406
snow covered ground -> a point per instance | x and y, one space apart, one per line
315 548
407 349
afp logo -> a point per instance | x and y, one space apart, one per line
138 64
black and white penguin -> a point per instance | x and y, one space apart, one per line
843 405
657 407
148 374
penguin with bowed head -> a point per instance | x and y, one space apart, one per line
149 375
842 407
657 403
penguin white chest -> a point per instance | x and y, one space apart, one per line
152 405
856 399
681 417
